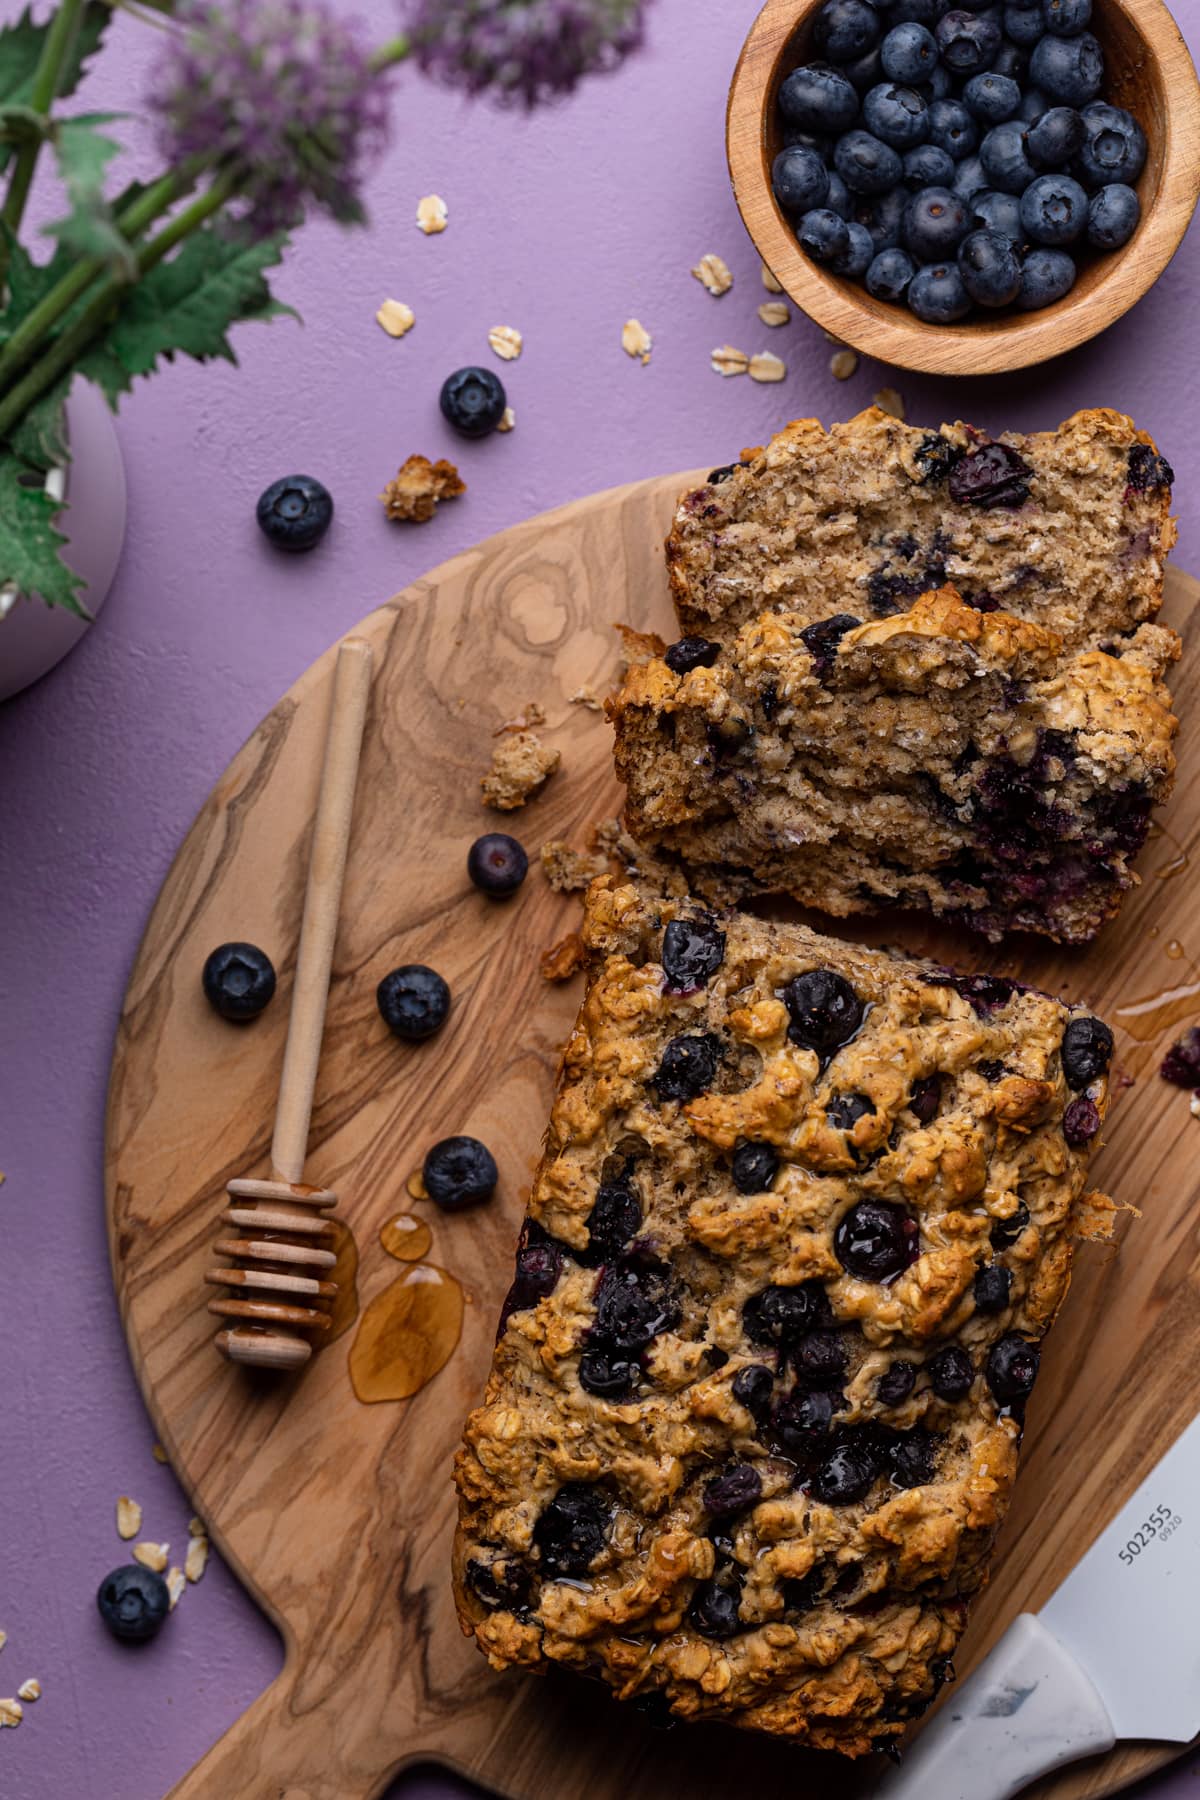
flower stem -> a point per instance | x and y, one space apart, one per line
67 349
46 77
392 52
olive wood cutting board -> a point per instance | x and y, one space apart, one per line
337 1515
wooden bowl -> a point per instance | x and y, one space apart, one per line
1148 71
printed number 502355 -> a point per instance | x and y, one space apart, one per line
1160 1524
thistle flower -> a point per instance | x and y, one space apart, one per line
522 51
281 89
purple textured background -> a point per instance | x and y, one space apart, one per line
563 225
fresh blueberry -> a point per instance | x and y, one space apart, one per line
538 1268
1070 70
238 981
819 1359
688 1066
1012 64
713 1610
925 1098
1046 276
497 864
883 217
844 30
818 99
970 178
877 1240
689 653
807 140
1055 138
848 1473
896 1383
693 950
951 1373
992 1284
866 165
916 12
414 1001
1024 25
752 1388
911 1456
634 1301
858 255
754 1167
926 165
1113 216
939 86
967 41
839 199
1067 18
935 223
1012 1368
988 476
295 513
473 401
997 212
1005 163
821 640
824 1009
782 1315
459 1172
952 128
733 1491
133 1602
990 266
991 97
890 273
1081 1122
824 236
1034 105
615 1218
865 72
1054 210
572 1530
1087 1047
897 115
908 53
608 1375
936 294
845 1110
1005 1232
800 1423
1114 146
799 179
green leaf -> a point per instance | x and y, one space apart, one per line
29 542
84 153
40 439
21 47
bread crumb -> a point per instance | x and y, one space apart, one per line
842 364
638 646
3 1639
766 366
396 318
564 959
506 341
774 312
30 1690
129 1517
713 272
151 1556
197 1527
587 696
605 837
569 870
769 281
196 1560
418 488
158 1453
176 1583
521 764
432 214
889 401
531 714
508 419
11 1712
636 340
726 360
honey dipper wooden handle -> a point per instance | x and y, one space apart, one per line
322 904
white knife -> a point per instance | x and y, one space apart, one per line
1114 1653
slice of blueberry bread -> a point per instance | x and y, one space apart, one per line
927 674
804 1214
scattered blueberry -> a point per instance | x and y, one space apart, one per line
800 1423
295 513
502 1586
693 950
808 140
799 179
497 864
608 1375
845 1110
839 199
1005 163
952 128
688 1066
936 294
754 1167
1012 1368
896 115
1181 1065
819 1359
819 99
890 273
991 97
824 236
992 1284
689 653
916 12
1034 106
1045 278
1055 138
1012 63
1146 470
733 1492
896 1383
572 1530
1054 210
634 1301
911 1456
824 1009
238 981
713 1611
1067 18
822 638
1024 25
1070 70
970 178
990 266
615 1218
845 30
883 216
935 223
459 1172
926 165
858 255
993 211
848 1473
877 1240
782 1315
473 401
926 1097
1081 1122
967 41
1113 215
414 1001
1005 1232
951 1373
991 475
133 1603
752 1388
865 164
865 72
539 1266
1114 146
909 52
1087 1047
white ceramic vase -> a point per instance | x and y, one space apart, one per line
34 636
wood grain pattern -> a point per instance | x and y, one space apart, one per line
338 1516
1149 71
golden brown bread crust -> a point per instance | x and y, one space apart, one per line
825 1607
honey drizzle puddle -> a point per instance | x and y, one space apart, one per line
344 1310
1146 1018
406 1334
406 1238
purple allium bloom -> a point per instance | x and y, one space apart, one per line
522 52
280 87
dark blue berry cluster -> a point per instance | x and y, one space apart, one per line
956 156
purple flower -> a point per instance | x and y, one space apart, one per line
522 51
281 89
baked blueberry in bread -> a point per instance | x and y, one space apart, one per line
804 1215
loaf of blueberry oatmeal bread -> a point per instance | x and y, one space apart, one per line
919 669
804 1214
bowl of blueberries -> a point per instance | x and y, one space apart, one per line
962 186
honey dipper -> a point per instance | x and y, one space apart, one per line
278 1276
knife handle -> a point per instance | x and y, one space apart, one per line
1027 1709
